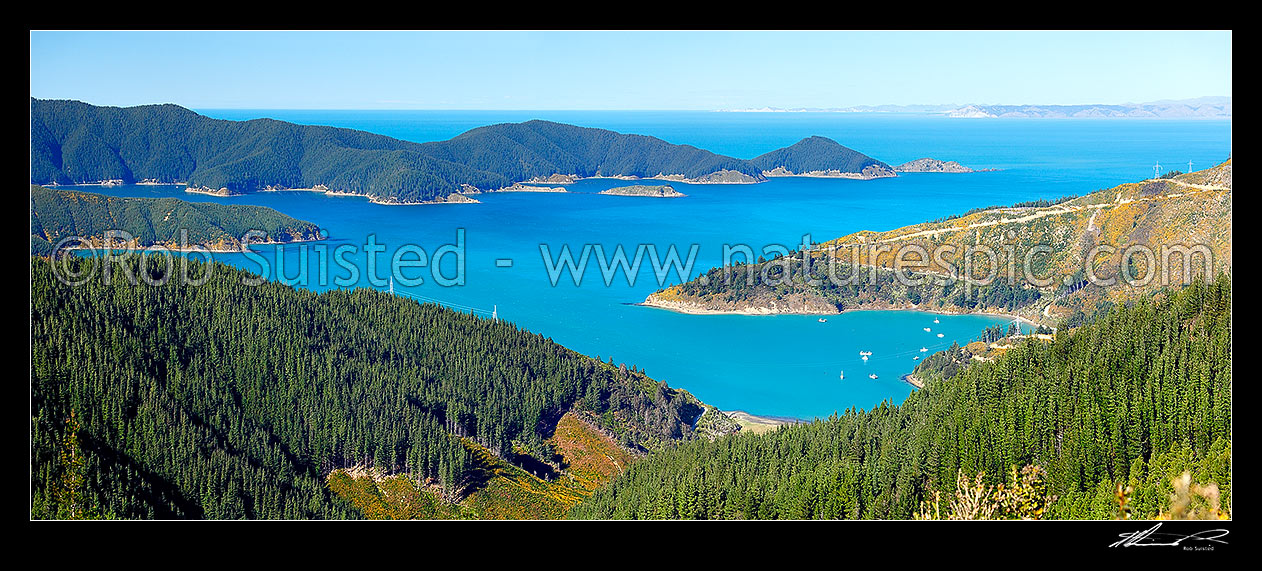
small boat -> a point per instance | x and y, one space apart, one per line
935 320
822 320
923 350
842 376
916 358
941 335
865 357
872 376
927 330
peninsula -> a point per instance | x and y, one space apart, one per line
58 214
1193 208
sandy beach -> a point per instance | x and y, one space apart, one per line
760 424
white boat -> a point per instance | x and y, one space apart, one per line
872 376
935 320
927 330
822 320
842 376
941 335
923 350
865 357
916 358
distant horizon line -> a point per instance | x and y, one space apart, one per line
747 109
713 110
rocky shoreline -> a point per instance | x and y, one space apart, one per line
870 172
278 188
221 192
912 380
794 305
799 304
725 176
453 198
106 183
516 187
97 243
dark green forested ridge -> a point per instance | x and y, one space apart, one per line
521 151
58 214
225 400
1135 398
74 142
814 154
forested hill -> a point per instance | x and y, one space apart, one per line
225 400
522 151
77 142
74 142
1134 399
820 155
58 214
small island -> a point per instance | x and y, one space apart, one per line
659 191
934 165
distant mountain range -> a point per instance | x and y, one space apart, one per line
1201 107
77 143
854 109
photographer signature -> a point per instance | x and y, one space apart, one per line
1150 538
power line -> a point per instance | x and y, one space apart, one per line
493 313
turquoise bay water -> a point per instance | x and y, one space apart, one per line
785 365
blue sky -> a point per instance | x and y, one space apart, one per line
624 70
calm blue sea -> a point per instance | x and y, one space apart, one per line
774 365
